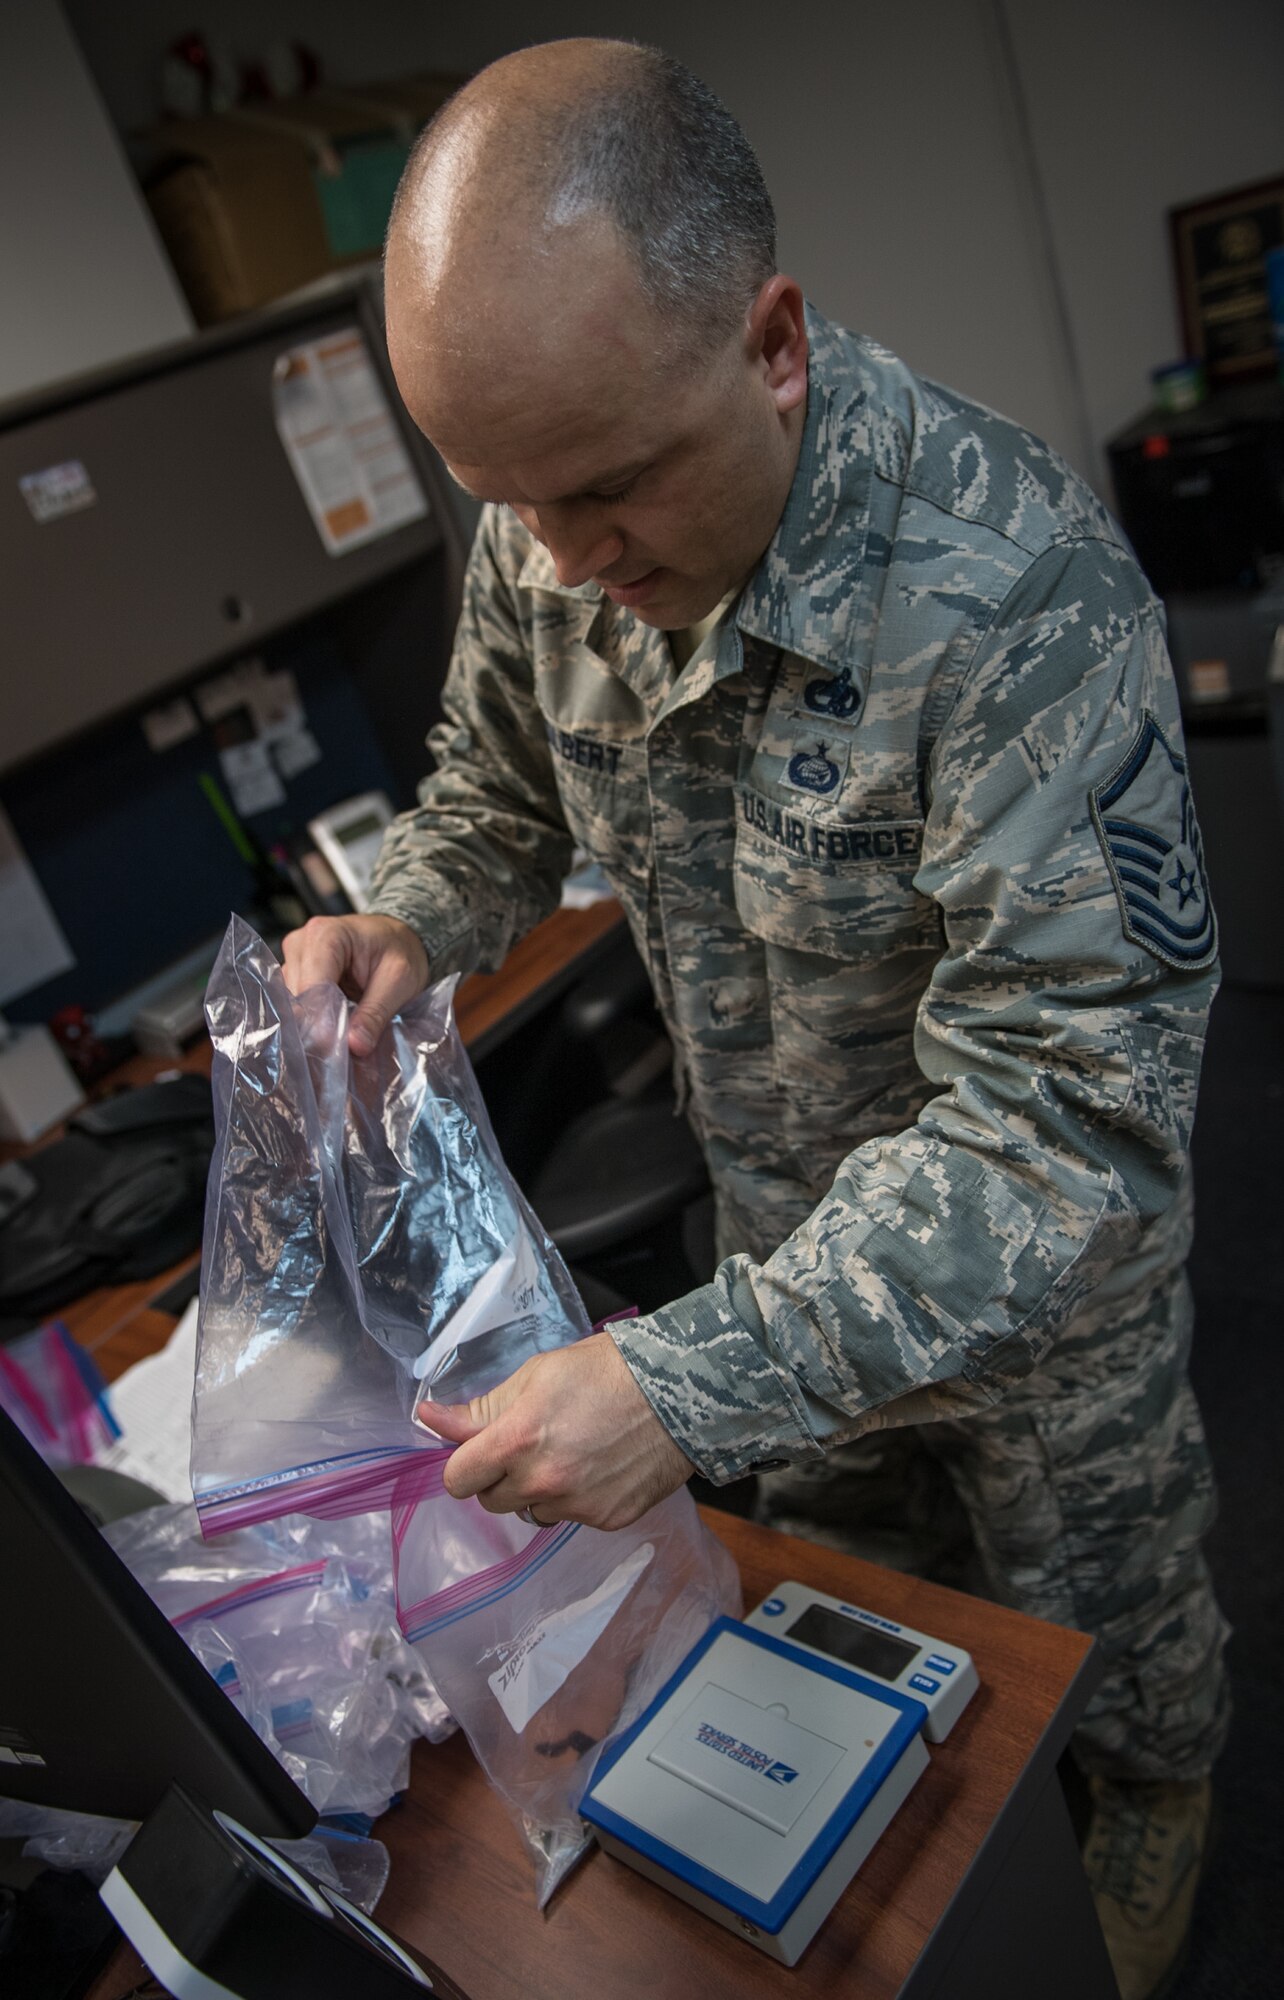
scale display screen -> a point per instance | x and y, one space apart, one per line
855 1645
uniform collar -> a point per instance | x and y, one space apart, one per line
635 653
538 573
804 595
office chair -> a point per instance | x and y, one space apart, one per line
584 1110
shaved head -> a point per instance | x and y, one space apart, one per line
584 318
557 144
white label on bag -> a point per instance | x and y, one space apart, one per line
549 1649
513 1284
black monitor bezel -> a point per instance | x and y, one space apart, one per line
96 1678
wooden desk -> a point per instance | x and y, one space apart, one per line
976 1889
487 1006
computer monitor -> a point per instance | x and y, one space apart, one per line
102 1706
104 1710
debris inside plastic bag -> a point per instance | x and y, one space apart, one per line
297 1624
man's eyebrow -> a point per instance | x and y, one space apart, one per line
608 480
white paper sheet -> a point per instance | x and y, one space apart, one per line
152 1403
342 441
251 777
513 1285
551 1648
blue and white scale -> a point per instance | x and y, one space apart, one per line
763 1772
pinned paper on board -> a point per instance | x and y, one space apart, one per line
342 441
250 776
57 490
260 731
170 723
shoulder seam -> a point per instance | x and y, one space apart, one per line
965 664
1058 538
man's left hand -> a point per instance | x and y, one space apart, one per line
569 1436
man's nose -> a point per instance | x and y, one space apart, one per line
580 547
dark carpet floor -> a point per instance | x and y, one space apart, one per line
1237 1947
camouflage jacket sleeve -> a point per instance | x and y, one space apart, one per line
481 859
1062 1029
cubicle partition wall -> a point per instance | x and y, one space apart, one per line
234 563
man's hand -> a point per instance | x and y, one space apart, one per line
378 961
569 1436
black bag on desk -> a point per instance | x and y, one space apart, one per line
120 1197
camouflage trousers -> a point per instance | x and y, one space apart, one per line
1082 1498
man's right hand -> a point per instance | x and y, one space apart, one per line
378 961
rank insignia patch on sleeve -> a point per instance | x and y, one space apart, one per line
1145 821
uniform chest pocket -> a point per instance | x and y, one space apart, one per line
843 889
602 784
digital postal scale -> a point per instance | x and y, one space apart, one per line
764 1771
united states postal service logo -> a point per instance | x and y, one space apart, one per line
1145 821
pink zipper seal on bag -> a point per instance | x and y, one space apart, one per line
329 1490
257 1590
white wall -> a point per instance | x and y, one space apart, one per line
899 203
980 183
898 207
1143 107
83 277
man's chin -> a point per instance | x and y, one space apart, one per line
677 608
662 619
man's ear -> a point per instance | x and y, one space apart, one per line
776 341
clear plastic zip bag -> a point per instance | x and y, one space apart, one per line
296 1623
364 1246
53 1391
545 1643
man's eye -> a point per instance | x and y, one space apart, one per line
617 493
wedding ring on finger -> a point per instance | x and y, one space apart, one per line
525 1514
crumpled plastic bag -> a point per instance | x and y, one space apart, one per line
364 1245
545 1652
296 1622
53 1391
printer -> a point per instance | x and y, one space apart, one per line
1201 492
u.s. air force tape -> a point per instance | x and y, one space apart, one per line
849 843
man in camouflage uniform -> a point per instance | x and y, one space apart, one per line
902 830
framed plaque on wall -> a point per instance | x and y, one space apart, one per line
1219 253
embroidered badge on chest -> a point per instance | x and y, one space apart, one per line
837 696
1145 821
816 767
